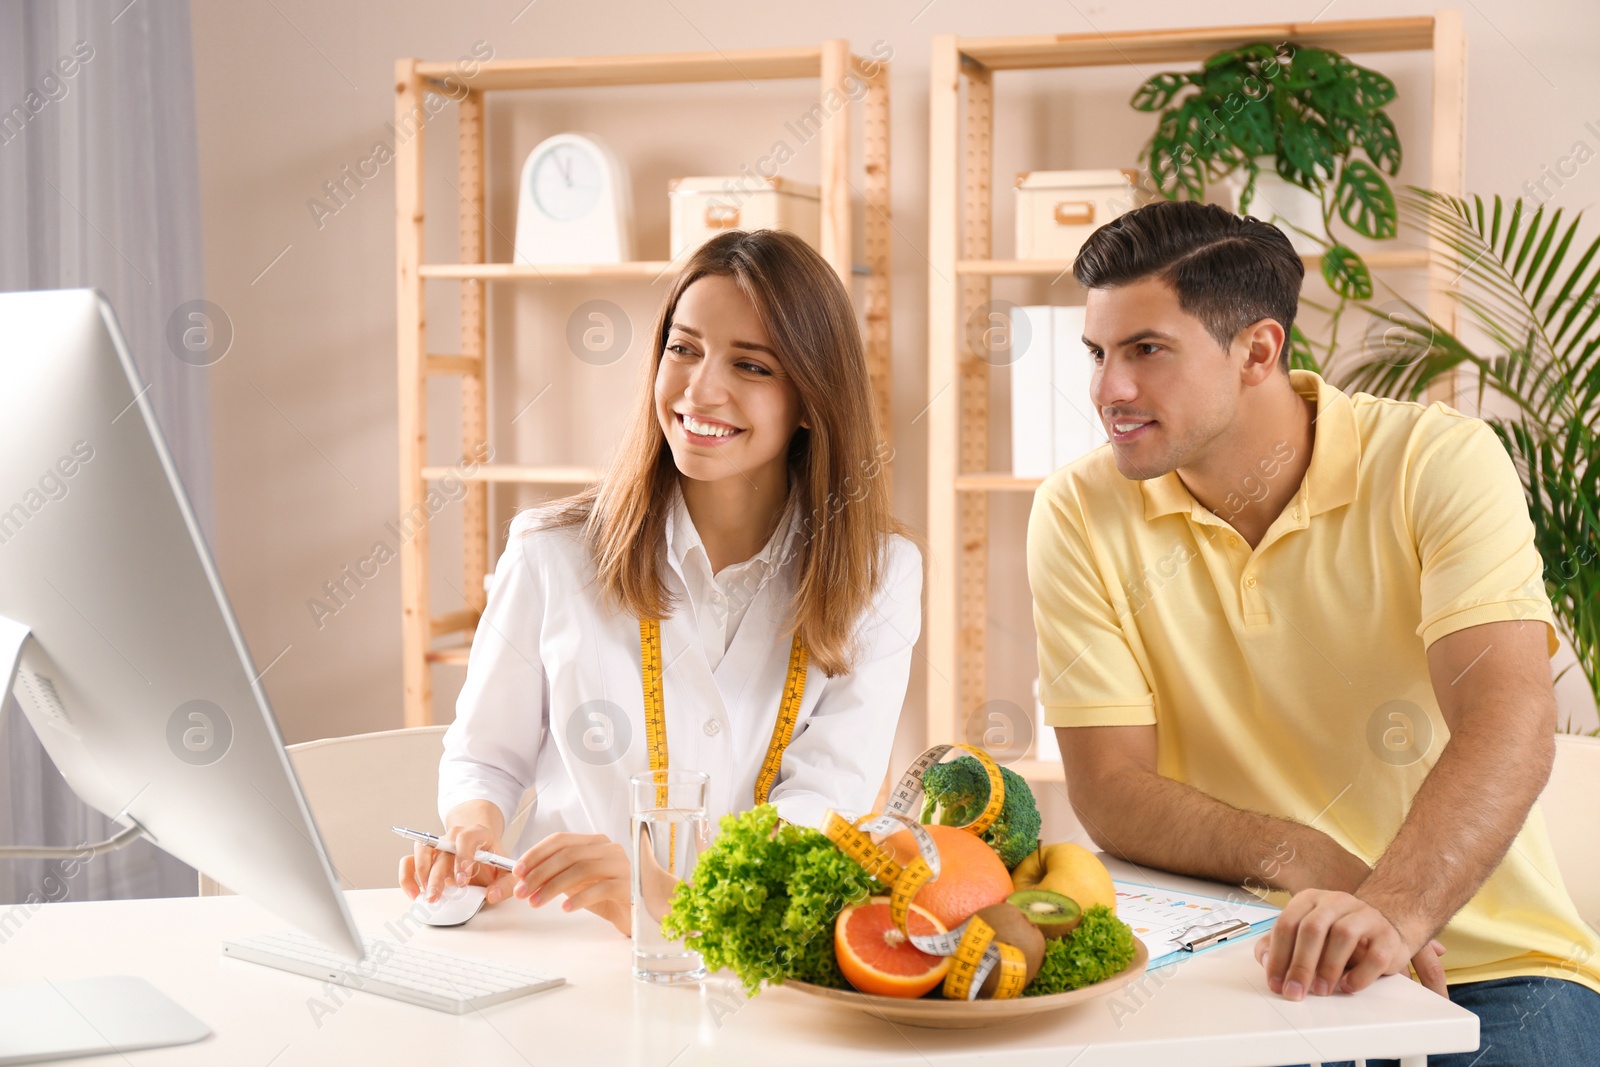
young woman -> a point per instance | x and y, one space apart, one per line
743 539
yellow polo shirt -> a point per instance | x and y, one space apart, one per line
1292 679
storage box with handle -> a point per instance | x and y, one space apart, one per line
705 207
1057 210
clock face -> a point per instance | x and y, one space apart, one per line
566 182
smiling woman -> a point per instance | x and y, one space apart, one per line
742 540
757 347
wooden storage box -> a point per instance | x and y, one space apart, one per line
705 207
1057 210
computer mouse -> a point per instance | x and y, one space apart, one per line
456 904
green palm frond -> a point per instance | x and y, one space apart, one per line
1528 283
1511 279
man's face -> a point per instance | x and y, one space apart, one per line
1163 388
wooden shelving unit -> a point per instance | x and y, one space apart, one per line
960 251
834 67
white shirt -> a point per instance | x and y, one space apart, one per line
720 601
553 697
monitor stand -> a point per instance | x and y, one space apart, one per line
82 1016
90 1017
13 636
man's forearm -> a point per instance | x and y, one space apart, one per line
1146 818
1462 822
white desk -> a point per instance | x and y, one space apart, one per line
1211 1011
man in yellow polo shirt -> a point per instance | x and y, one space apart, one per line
1299 641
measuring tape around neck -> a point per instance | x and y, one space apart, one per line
655 724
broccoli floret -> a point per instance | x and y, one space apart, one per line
958 790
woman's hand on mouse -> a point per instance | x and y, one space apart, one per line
590 869
427 871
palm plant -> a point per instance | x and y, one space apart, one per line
1529 284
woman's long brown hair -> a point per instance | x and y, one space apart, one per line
837 464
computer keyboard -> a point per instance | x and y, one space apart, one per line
444 982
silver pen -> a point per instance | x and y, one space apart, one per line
433 840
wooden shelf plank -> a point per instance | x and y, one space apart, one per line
943 651
567 72
1035 770
640 269
1380 259
455 656
647 270
1018 267
410 299
508 472
1135 47
1061 269
996 481
453 365
454 622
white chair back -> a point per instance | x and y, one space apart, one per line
1571 804
359 786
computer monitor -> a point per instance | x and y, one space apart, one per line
115 633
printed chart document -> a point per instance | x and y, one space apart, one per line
1165 921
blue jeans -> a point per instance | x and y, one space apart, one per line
1524 1022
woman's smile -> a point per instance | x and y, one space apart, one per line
708 432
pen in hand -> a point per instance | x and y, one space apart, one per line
434 841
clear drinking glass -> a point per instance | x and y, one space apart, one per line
669 829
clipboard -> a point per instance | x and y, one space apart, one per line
1178 926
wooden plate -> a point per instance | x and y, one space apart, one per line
935 1011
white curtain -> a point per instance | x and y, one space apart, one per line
99 186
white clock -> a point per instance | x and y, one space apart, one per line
575 204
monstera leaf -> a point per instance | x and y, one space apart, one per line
1310 111
1346 274
1364 200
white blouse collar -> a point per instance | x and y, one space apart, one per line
683 538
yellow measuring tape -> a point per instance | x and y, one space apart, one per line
903 882
974 951
966 964
655 723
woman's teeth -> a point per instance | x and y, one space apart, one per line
707 429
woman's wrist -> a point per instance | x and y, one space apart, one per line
481 815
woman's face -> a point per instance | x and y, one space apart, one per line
723 400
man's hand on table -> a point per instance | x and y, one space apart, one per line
1330 940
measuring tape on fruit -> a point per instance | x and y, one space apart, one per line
972 945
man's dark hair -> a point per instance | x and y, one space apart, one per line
1228 270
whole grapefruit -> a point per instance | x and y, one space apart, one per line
971 874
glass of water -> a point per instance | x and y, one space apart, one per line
669 829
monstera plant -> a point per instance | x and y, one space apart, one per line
1308 109
1530 287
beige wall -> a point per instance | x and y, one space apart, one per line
291 92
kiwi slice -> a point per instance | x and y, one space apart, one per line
1055 914
1012 927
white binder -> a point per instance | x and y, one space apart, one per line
1032 398
1078 429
